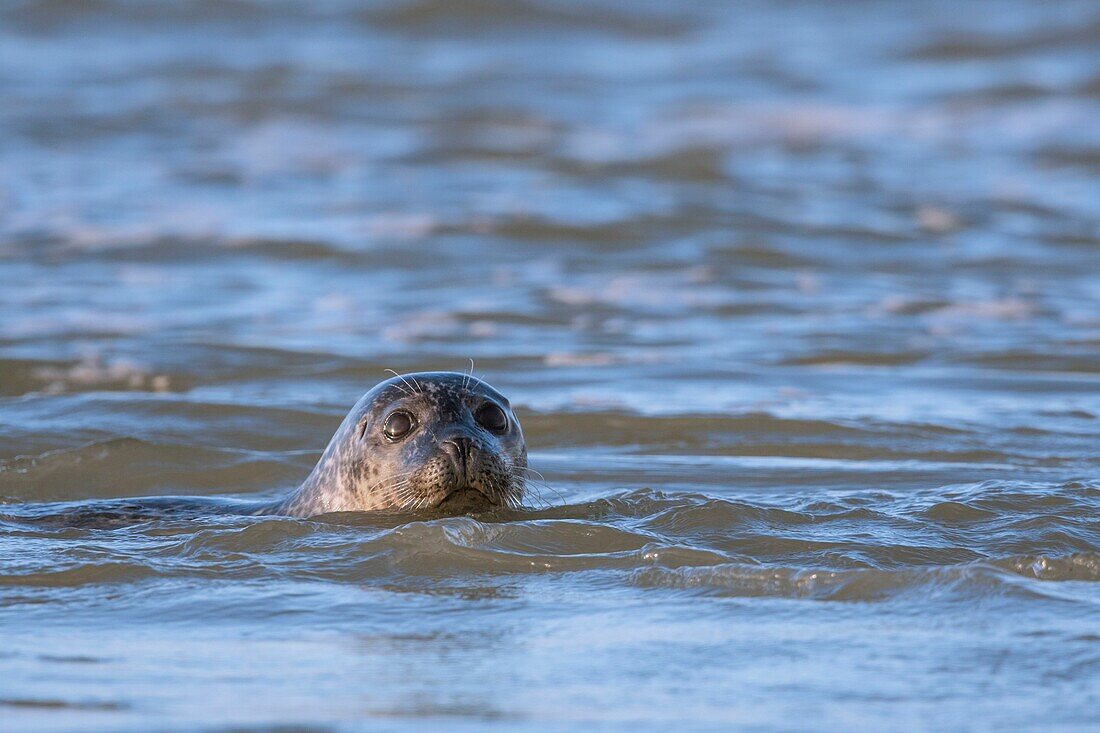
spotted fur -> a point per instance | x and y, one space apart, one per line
448 461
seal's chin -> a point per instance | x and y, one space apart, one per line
465 499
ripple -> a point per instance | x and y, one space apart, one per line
58 704
855 547
965 583
487 16
798 306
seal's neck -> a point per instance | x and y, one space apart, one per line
307 500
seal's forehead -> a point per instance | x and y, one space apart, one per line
435 386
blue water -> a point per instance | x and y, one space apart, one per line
798 304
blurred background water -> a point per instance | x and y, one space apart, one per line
799 304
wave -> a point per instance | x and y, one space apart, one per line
967 581
969 541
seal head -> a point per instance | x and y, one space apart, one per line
421 441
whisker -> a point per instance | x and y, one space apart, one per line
537 473
511 493
509 496
394 373
406 381
391 495
516 495
536 494
543 483
469 376
391 490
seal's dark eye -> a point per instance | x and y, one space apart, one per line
491 417
398 425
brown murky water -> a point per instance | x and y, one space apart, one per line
799 305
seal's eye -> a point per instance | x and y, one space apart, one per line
398 425
491 417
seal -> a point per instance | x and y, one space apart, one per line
440 442
426 440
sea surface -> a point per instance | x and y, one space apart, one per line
798 304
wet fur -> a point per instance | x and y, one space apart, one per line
361 470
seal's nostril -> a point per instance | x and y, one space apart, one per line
459 451
459 445
453 450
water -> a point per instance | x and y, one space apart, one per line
799 305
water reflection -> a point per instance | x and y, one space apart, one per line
797 304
